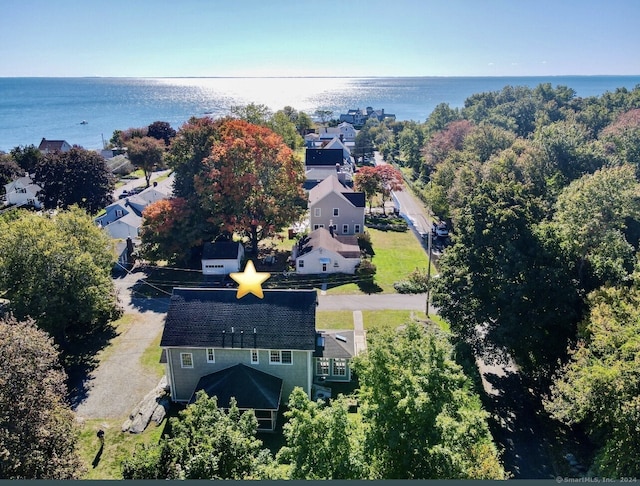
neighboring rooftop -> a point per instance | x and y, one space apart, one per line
345 245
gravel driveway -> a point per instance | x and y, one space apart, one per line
120 382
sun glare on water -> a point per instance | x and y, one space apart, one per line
276 93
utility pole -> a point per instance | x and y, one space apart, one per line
429 272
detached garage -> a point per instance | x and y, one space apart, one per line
222 258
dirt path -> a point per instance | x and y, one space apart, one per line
117 385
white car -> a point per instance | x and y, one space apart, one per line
440 229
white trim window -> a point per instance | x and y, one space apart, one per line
339 367
322 366
317 212
356 229
186 360
211 355
345 229
254 356
300 263
336 211
280 357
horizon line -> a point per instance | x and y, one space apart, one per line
323 77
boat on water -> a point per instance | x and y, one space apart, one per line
84 122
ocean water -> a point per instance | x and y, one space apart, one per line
54 108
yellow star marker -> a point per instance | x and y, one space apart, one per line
249 281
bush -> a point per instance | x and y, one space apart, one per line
364 242
386 223
366 269
417 283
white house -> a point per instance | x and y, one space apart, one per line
222 257
322 252
344 131
23 192
123 218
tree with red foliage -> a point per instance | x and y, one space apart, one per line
367 180
381 179
252 183
167 231
390 180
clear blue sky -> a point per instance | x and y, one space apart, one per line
319 37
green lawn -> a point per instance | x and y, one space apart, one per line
396 256
373 320
118 446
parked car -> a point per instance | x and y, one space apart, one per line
440 229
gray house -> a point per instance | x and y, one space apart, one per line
209 331
334 204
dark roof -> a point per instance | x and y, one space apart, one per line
337 344
252 388
355 198
215 318
221 250
51 145
329 157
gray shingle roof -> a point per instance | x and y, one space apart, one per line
345 245
221 250
283 319
329 157
337 344
252 388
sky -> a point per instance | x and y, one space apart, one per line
193 38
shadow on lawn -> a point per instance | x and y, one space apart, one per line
79 360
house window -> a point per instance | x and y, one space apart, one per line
21 190
211 357
254 356
280 357
322 366
336 211
356 229
119 213
345 228
300 263
339 367
324 267
317 212
186 360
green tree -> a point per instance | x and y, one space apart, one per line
410 143
282 125
321 441
421 418
27 157
62 277
256 114
505 284
252 182
591 216
568 149
146 153
38 432
206 442
79 177
599 387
